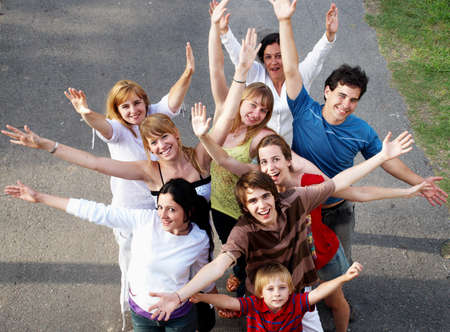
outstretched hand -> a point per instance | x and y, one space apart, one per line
249 49
419 189
353 271
397 147
165 306
284 9
78 100
22 191
200 124
332 22
25 138
435 195
218 14
190 60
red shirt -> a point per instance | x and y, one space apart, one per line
289 318
325 241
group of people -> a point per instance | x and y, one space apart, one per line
285 221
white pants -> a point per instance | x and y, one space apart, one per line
311 320
123 239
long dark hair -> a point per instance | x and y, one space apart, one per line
195 207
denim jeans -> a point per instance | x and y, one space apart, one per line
186 323
341 219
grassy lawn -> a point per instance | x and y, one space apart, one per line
414 37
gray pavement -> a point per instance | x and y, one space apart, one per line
60 274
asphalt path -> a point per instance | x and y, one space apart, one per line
58 273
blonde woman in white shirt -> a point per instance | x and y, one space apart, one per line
127 105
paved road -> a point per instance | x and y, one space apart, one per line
60 274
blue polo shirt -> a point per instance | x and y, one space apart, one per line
332 148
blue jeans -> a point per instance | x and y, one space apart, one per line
186 323
336 267
341 220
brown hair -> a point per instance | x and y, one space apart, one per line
252 180
255 90
271 271
118 94
276 140
158 124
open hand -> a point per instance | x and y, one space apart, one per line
190 60
419 189
22 191
218 14
353 271
332 22
78 100
283 9
200 124
435 195
249 49
25 138
397 147
165 306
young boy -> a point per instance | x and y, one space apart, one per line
276 307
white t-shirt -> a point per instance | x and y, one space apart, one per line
310 67
160 261
124 146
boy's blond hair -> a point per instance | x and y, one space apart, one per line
271 271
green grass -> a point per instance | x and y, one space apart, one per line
414 36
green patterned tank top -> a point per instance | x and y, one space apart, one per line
223 181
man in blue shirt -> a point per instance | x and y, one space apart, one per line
329 135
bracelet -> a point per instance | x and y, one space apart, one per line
240 82
179 298
54 148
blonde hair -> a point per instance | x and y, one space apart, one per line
257 89
270 271
118 94
156 125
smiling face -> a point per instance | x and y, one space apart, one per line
133 110
172 216
253 111
340 103
164 147
275 293
260 204
273 162
273 63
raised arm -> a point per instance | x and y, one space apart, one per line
312 65
208 274
284 10
218 300
27 194
390 150
369 193
200 126
328 287
180 88
247 55
218 81
100 214
93 119
130 170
